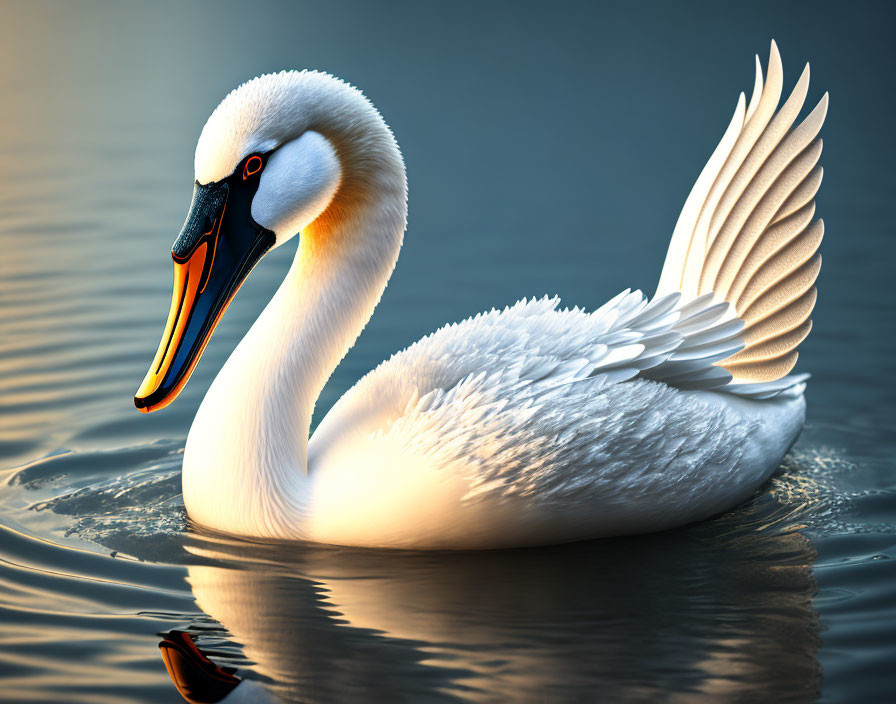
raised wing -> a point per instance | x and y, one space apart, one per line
746 235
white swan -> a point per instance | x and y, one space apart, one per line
525 426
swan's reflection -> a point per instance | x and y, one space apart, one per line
721 611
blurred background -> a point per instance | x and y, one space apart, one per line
549 148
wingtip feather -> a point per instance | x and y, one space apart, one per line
709 231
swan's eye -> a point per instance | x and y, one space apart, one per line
253 166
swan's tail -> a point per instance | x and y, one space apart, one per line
746 234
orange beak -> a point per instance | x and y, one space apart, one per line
210 264
187 285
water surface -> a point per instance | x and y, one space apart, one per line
549 148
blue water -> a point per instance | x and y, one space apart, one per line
549 148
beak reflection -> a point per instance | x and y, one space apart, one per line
196 677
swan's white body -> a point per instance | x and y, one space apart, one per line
526 426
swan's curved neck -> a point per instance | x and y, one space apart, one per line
246 455
326 299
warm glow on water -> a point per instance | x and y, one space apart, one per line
548 150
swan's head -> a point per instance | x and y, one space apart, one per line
270 161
